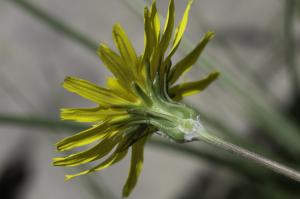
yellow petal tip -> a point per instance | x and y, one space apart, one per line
68 177
210 35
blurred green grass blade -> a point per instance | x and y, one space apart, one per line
286 133
56 24
29 121
289 43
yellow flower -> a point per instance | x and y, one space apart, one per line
141 98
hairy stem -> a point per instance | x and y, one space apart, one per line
274 166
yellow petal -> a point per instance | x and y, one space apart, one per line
89 155
84 137
168 29
136 166
186 63
155 21
152 30
178 36
114 158
115 86
179 91
166 37
115 64
181 27
148 36
170 16
90 114
91 91
125 47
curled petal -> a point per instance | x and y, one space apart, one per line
179 91
82 138
89 155
137 157
114 158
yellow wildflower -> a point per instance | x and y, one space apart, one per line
141 98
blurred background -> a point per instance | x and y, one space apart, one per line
255 103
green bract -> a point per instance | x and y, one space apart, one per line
141 98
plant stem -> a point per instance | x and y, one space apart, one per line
274 166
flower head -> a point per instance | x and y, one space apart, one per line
141 98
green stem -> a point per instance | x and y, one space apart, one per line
274 166
39 122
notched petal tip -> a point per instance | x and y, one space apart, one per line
55 161
117 25
60 147
66 80
100 48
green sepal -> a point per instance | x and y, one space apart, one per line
141 94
